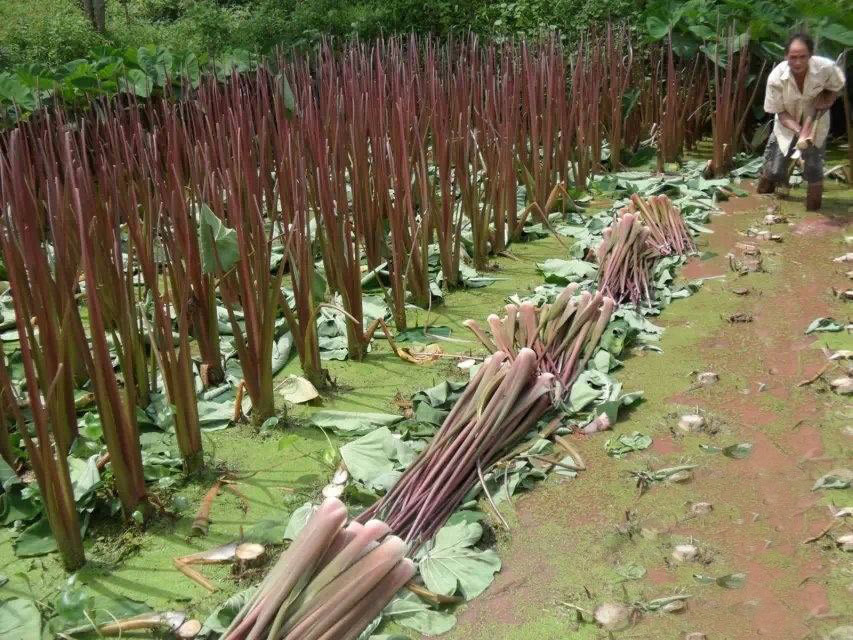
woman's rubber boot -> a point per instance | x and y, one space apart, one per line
765 185
814 195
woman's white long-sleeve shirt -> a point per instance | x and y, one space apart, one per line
783 94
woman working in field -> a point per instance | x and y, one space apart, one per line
800 91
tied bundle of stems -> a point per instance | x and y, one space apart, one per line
668 232
625 259
330 584
500 405
563 335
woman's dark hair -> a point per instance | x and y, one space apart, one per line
805 38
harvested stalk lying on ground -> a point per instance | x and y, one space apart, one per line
668 233
563 335
500 405
625 258
330 584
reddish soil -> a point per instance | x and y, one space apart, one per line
766 506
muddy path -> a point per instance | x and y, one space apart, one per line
596 538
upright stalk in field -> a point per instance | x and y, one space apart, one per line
731 102
112 312
47 324
620 57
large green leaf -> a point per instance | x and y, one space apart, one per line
219 250
377 458
558 271
410 611
837 33
36 540
451 564
623 444
823 324
219 619
19 620
353 423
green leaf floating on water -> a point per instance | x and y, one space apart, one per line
823 324
353 423
219 250
451 563
626 443
410 611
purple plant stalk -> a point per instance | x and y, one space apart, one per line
47 340
112 312
619 56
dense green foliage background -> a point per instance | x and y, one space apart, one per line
56 31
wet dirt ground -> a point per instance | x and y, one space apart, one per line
577 543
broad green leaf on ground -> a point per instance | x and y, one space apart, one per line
835 479
410 611
298 520
19 620
85 477
626 443
77 606
224 614
353 423
36 540
823 324
442 395
268 531
738 451
424 335
631 571
376 458
732 580
558 271
219 250
451 564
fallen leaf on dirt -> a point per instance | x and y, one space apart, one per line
823 324
739 317
732 580
425 355
738 451
626 443
847 257
835 479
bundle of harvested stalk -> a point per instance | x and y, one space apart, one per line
563 334
625 259
500 405
668 232
330 584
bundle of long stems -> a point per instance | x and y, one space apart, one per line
500 405
563 334
50 335
668 232
619 57
731 102
332 581
113 311
625 259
